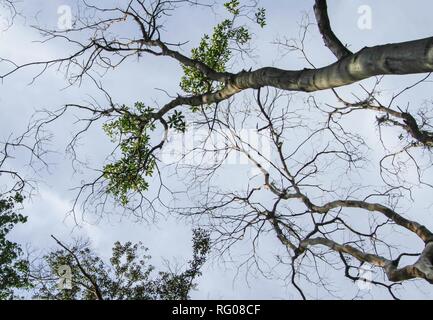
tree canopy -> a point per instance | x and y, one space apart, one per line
127 276
332 193
13 266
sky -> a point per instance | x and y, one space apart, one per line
169 237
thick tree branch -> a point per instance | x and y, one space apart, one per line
420 230
422 268
329 37
401 58
389 59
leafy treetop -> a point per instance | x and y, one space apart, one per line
127 175
127 276
13 269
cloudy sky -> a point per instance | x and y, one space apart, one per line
392 21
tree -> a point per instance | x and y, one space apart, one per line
317 217
13 264
128 276
13 267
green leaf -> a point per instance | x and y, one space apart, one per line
13 268
215 52
130 131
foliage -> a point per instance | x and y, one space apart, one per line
260 16
127 276
127 175
172 286
215 51
136 162
13 269
177 121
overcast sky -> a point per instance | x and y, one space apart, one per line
392 21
